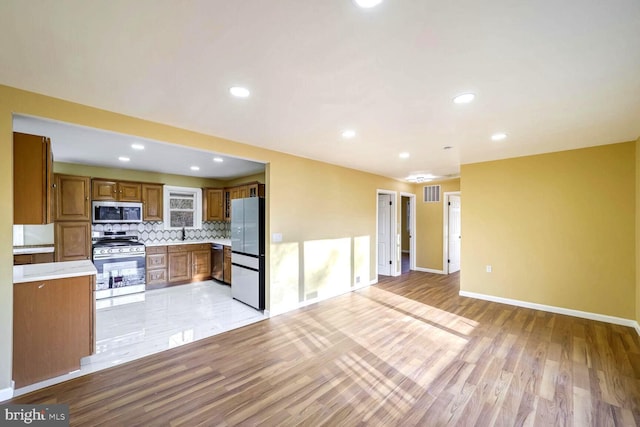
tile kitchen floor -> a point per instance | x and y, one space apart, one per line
166 318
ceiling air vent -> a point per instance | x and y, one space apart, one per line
432 193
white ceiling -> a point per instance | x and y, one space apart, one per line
77 144
553 75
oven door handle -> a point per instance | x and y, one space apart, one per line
116 256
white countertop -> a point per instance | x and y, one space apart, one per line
33 250
225 242
52 270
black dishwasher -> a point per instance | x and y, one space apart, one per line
217 262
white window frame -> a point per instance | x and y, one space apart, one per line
197 215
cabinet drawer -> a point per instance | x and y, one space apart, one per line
150 250
156 261
21 259
200 247
156 276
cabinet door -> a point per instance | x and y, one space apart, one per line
53 323
227 264
72 198
227 204
32 172
129 192
152 208
72 241
104 190
255 190
179 266
201 264
238 192
214 204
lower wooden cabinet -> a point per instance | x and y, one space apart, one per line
201 264
72 241
227 265
156 265
177 264
53 327
24 259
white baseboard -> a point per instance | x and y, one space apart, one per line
553 309
6 394
429 270
267 313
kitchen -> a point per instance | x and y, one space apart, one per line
155 238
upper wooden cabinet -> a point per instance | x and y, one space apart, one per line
72 241
72 201
213 206
122 191
255 189
32 179
152 208
252 189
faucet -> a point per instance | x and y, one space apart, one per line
184 233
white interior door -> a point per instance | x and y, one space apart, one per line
384 234
454 233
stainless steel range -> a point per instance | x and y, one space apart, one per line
120 261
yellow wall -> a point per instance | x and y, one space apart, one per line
637 230
324 212
558 229
429 225
135 175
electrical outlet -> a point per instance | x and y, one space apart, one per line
489 269
357 279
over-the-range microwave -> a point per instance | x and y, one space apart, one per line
116 212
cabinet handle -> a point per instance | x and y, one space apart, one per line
41 286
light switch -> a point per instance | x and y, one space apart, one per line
276 237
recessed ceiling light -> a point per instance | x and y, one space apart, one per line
240 92
404 155
218 159
367 4
420 177
195 168
498 136
348 133
123 159
137 146
465 98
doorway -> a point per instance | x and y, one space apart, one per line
452 232
407 231
386 220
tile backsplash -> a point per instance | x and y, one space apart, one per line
154 232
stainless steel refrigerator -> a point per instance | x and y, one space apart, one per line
247 251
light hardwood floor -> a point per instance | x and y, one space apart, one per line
408 351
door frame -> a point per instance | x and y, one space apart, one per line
393 219
445 230
412 229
